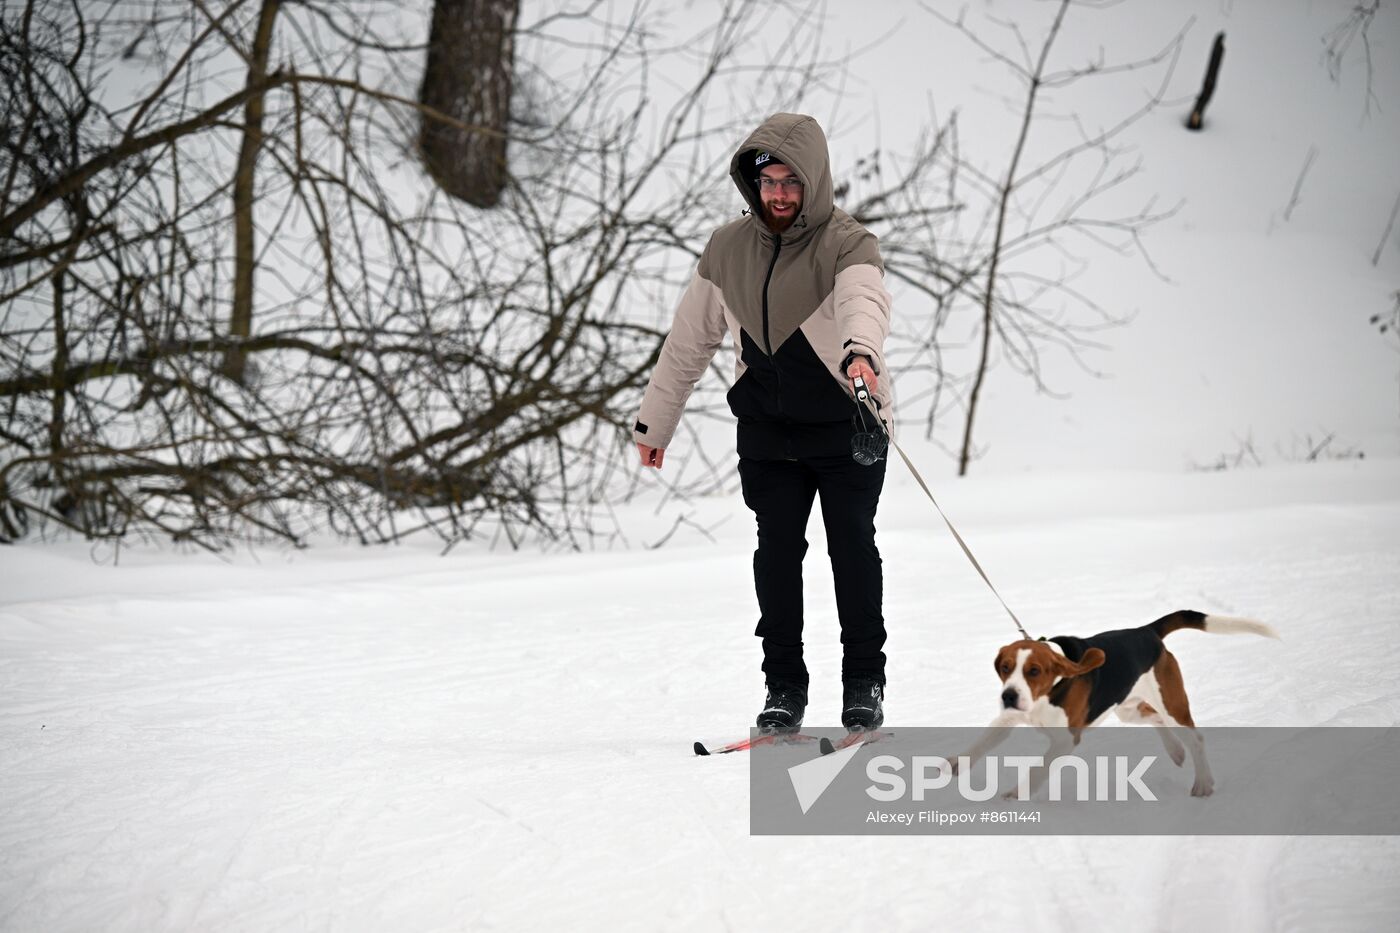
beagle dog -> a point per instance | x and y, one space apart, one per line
1064 685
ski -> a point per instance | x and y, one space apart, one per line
743 745
851 738
791 738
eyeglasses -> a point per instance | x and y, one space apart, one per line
791 184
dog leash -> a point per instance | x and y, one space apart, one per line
863 395
959 538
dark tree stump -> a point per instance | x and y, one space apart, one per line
1198 113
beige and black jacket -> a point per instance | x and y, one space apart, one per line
797 306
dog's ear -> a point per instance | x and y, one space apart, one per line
1093 658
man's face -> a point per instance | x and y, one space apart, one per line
781 194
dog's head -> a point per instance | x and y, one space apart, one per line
1028 669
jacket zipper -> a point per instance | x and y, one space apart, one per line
767 340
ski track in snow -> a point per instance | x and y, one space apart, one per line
482 742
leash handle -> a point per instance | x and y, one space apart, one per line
862 391
867 402
959 538
862 398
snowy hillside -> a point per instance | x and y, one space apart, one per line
1260 328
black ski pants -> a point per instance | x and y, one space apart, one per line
780 494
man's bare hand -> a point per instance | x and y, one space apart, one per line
651 456
859 367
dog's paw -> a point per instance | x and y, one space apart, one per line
1203 787
1178 754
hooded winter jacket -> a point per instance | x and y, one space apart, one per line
797 306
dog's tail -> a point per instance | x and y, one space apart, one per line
1215 625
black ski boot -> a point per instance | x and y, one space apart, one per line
862 705
783 708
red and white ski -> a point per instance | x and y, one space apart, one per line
851 738
743 745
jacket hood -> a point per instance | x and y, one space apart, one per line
798 142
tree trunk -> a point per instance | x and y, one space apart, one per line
471 58
993 267
60 364
241 320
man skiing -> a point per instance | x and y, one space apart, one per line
798 286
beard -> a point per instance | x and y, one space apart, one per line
780 222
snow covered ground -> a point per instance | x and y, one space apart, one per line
371 740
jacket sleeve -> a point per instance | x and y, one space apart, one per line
696 335
861 301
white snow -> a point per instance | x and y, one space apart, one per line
368 740
350 739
